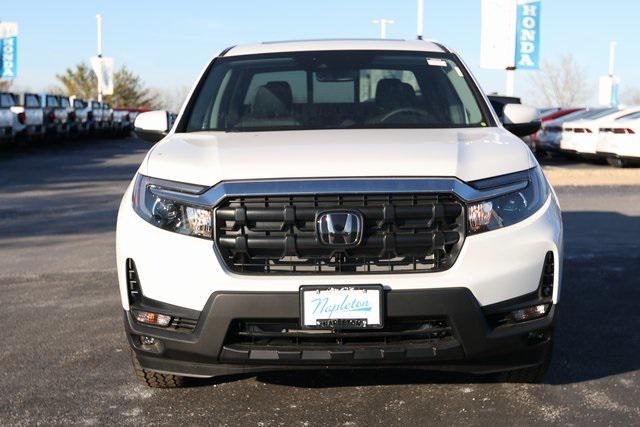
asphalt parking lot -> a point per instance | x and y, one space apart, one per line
64 357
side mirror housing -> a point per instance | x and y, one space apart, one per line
521 120
152 126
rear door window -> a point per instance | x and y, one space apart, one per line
64 101
52 101
6 100
31 101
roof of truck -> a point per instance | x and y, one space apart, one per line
341 44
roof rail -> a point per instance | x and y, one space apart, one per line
224 52
331 40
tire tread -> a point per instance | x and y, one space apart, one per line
155 379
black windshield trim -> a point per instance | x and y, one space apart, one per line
359 127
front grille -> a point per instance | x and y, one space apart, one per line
283 341
402 233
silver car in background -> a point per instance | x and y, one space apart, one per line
551 134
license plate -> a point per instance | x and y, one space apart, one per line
341 307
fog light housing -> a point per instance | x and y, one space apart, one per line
145 340
150 318
530 313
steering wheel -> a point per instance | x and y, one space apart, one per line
405 110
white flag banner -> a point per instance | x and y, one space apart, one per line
103 67
8 29
497 34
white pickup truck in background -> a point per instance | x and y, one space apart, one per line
30 117
70 115
121 121
95 115
55 116
107 117
29 108
7 118
81 124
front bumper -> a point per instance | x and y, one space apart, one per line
6 133
495 271
620 146
475 345
549 142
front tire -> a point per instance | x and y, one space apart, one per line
616 162
530 375
155 379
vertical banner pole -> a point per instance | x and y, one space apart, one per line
420 30
612 57
99 28
510 81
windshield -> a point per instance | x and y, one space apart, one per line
335 90
631 116
597 113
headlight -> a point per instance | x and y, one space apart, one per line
152 202
510 208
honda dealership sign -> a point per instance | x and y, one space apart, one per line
528 35
510 35
9 50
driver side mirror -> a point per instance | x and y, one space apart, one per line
521 120
152 126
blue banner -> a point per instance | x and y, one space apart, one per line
528 35
9 62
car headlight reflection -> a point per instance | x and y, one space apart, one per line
510 208
152 202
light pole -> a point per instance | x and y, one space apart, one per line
383 26
613 98
420 30
612 57
99 25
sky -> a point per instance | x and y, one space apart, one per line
168 43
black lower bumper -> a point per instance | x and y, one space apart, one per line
617 156
474 344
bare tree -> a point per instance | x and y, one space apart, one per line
172 99
55 90
561 83
5 85
129 89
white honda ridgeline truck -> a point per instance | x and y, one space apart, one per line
338 204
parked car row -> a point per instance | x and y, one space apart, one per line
33 116
609 134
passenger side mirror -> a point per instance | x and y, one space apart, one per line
520 120
152 126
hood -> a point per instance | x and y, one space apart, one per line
207 158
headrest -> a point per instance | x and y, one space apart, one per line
273 100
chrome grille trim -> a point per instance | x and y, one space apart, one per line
214 195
